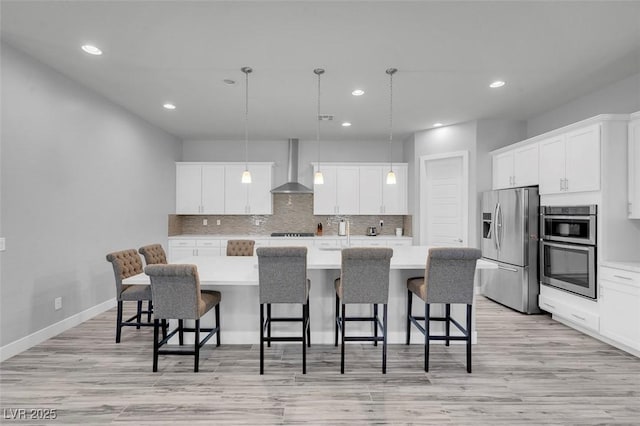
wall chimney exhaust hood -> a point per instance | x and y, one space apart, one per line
292 186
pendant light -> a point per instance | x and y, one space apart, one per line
246 175
391 176
318 178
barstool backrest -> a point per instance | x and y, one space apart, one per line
175 290
449 274
240 247
153 254
126 263
282 274
364 274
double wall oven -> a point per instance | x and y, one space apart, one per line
568 248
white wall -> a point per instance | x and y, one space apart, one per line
620 97
277 151
80 177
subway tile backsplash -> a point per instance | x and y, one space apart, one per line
291 213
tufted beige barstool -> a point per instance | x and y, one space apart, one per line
127 263
153 254
240 247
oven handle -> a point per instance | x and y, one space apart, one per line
553 216
568 246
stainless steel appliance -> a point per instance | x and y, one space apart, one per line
568 248
510 239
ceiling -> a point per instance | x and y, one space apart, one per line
447 53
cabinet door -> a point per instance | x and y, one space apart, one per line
552 165
259 190
213 189
348 183
583 159
525 166
394 197
179 253
503 170
324 196
620 312
235 192
634 169
371 188
188 188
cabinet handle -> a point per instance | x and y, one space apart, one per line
566 184
504 268
561 184
629 209
579 317
623 278
549 305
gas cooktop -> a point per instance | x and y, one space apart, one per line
292 234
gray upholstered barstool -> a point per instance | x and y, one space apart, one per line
283 279
448 279
127 263
364 279
240 247
177 295
153 254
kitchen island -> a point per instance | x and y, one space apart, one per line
237 279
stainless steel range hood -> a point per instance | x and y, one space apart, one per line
292 186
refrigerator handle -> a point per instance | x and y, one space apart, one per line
498 221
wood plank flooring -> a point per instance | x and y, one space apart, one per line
527 370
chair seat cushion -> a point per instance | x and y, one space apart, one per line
418 287
208 299
136 292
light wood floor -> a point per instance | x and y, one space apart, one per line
527 370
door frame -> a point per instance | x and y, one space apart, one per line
422 192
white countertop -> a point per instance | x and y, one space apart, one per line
623 265
234 236
243 270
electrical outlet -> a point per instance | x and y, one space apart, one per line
257 222
57 303
218 222
205 222
381 223
2 244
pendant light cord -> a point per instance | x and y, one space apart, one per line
246 118
318 72
391 71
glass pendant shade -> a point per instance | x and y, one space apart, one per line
246 176
318 178
391 178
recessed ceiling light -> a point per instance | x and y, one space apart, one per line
346 124
437 124
169 106
496 84
358 92
229 82
92 50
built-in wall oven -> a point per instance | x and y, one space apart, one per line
568 248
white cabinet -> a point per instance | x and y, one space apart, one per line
248 198
377 197
339 193
570 162
183 248
620 306
569 310
634 167
199 189
517 167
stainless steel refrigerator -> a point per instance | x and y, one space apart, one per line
510 240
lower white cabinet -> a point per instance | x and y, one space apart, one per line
569 308
183 248
620 306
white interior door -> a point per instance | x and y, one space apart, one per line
444 200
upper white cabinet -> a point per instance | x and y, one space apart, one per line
634 167
216 188
570 162
376 197
339 193
199 189
248 198
516 167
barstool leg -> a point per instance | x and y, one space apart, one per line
308 324
261 338
384 338
155 345
304 339
335 323
139 316
426 337
149 311
269 325
342 331
447 322
468 338
196 349
180 332
218 324
375 323
119 322
409 299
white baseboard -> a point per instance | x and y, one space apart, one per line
20 345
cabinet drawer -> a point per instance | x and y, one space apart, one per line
326 243
570 313
208 243
182 243
619 275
